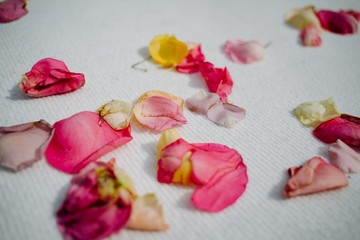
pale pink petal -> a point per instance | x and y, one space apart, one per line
338 22
310 37
12 10
191 62
81 139
24 144
244 52
225 114
344 157
202 101
314 176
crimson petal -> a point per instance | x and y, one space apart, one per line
337 22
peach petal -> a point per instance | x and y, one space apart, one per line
344 157
303 17
225 114
116 113
244 52
202 101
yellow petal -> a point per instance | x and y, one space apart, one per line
167 137
183 173
303 17
116 113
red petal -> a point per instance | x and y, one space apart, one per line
337 22
191 62
353 13
12 10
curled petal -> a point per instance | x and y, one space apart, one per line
314 176
244 52
24 144
338 22
344 157
202 101
303 17
191 62
50 76
12 10
355 14
167 137
81 139
225 114
314 113
117 114
310 37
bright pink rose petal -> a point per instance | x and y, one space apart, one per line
24 144
81 139
191 62
346 128
344 157
244 52
337 22
50 76
310 37
355 14
12 10
314 176
225 114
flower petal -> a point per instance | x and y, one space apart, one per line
12 10
355 14
314 176
202 101
225 114
191 62
81 139
30 138
314 113
337 22
244 52
303 17
116 113
344 157
310 37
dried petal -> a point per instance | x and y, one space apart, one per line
347 129
50 76
191 62
117 114
31 139
244 52
12 10
338 22
314 176
159 110
202 101
303 17
344 157
225 114
310 37
81 139
167 50
355 14
167 137
314 113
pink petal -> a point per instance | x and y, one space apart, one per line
355 14
337 22
310 37
50 76
345 128
191 62
225 114
218 80
12 10
81 139
314 176
344 157
24 144
159 113
202 101
244 52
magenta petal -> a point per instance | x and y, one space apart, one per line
355 14
24 144
12 10
337 22
191 62
81 139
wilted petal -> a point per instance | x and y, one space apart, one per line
24 144
50 76
314 113
12 10
225 114
116 113
355 14
310 37
314 176
303 17
344 157
338 22
244 52
344 128
202 101
191 62
167 137
81 139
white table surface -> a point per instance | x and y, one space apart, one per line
102 39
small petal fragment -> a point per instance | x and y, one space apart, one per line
314 113
303 17
338 22
314 176
24 144
12 10
225 114
244 52
50 76
344 157
192 61
202 101
81 139
310 37
117 114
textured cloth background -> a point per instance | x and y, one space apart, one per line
102 39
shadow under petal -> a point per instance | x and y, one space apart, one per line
277 192
16 94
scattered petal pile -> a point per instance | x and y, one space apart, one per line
244 52
12 10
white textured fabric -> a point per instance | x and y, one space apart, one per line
102 39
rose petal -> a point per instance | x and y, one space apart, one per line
244 52
191 62
116 113
310 37
81 139
341 128
344 157
314 176
303 17
337 22
202 101
30 138
50 76
355 14
225 114
314 113
12 10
